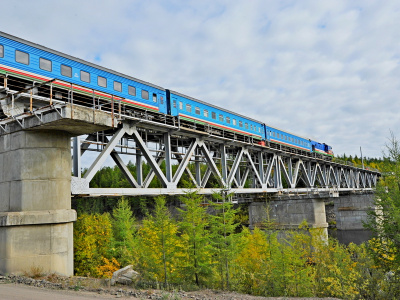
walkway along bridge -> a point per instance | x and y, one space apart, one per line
38 120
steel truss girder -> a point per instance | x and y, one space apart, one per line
236 166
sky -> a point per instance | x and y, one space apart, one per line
327 70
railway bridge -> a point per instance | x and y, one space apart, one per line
44 131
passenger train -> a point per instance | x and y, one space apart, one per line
30 62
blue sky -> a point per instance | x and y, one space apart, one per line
328 70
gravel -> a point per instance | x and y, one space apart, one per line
101 286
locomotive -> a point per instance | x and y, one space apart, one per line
30 62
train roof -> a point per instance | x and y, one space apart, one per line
17 39
214 106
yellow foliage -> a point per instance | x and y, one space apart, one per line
336 272
109 267
383 251
158 245
92 242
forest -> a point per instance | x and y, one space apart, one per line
192 242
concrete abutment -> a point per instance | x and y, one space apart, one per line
36 219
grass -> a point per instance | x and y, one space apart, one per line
34 272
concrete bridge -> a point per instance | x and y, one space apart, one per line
36 219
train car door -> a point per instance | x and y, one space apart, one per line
174 106
162 102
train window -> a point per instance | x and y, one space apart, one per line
1 51
246 125
197 110
228 120
259 129
221 118
117 86
214 115
180 105
234 122
45 64
188 108
162 99
22 57
251 126
131 90
240 124
145 94
101 81
174 103
66 71
154 97
85 76
205 112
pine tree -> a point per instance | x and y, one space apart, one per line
196 238
384 221
160 247
250 262
123 225
223 237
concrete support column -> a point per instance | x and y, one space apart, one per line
36 220
351 211
290 213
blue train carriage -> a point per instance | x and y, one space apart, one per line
287 139
213 119
322 148
26 63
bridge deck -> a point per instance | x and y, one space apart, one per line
177 153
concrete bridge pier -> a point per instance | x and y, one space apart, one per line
36 219
288 213
351 213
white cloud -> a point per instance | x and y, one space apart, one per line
324 69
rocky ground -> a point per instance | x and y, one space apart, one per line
102 288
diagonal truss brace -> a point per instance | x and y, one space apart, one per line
103 155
